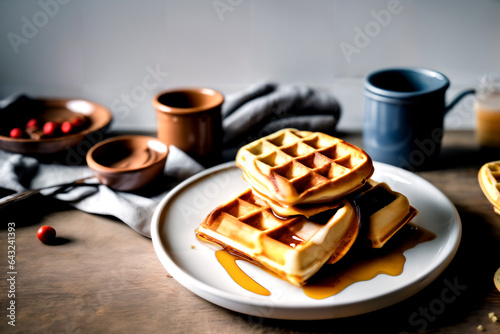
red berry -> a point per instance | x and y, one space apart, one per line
16 133
46 234
66 127
50 128
32 124
77 122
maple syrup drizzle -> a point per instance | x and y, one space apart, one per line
361 264
227 258
228 261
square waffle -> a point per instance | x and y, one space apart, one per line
489 181
299 167
384 210
294 248
306 210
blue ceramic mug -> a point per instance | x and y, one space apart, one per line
403 116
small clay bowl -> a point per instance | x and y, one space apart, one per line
98 117
127 163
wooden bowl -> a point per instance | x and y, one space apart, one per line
128 162
98 119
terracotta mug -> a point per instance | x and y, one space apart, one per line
190 119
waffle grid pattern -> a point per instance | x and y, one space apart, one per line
386 209
494 175
253 219
303 162
489 181
294 248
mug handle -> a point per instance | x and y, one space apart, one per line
457 99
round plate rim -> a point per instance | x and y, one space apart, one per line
252 306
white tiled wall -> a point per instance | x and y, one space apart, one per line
122 52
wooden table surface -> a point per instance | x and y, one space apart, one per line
105 278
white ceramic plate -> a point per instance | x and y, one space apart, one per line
194 265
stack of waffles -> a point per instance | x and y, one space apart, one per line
307 191
489 181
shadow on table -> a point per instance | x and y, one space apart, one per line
30 211
454 157
446 301
460 153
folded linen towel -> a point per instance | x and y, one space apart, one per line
20 173
264 108
259 110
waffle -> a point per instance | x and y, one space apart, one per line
294 248
489 181
384 210
306 210
300 167
496 279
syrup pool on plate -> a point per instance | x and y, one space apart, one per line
361 264
228 261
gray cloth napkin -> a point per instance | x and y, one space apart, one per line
19 173
264 108
247 115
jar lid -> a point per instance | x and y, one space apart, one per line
488 85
